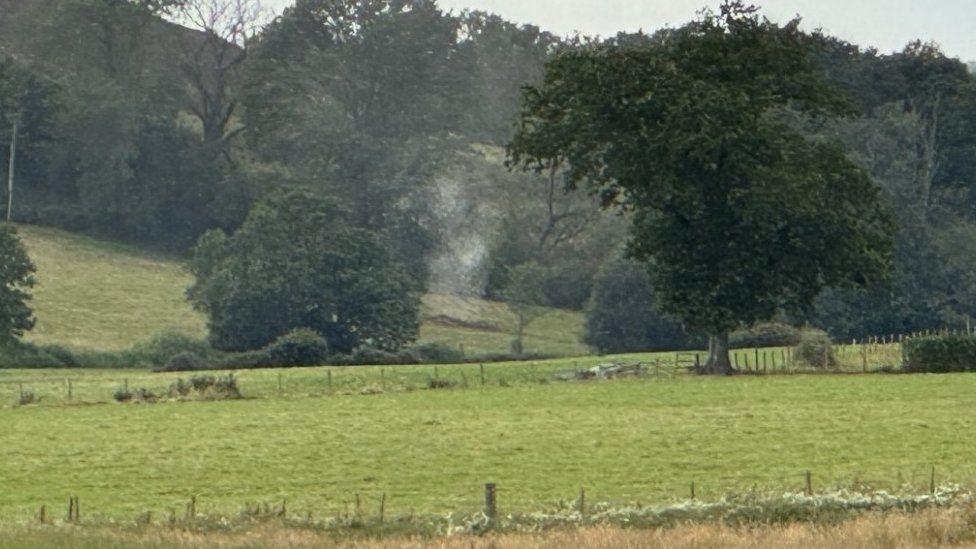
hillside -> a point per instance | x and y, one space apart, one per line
93 294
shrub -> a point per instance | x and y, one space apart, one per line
440 383
184 362
123 395
28 397
164 346
179 388
246 361
766 334
816 349
301 347
145 395
940 354
377 357
28 355
214 388
436 353
622 315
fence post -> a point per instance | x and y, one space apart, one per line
481 368
692 489
582 502
491 505
382 506
932 481
809 484
329 373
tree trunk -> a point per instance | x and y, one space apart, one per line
718 362
11 171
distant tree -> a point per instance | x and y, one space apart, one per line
28 106
296 262
525 296
623 315
738 215
211 62
16 279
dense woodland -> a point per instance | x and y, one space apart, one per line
154 123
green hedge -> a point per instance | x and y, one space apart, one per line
764 335
940 354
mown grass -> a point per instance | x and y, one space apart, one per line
99 295
93 294
431 451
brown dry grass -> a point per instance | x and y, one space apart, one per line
926 529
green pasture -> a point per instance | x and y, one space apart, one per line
379 431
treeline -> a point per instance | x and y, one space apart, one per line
133 127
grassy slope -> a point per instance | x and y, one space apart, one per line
430 451
101 295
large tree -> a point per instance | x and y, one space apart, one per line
738 215
297 262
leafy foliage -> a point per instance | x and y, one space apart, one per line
940 354
766 334
16 280
297 263
739 215
301 347
816 349
623 316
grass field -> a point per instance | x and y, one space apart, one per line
430 451
99 295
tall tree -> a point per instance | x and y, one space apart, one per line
738 215
28 105
211 62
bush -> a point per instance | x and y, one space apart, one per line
216 388
123 395
27 398
436 353
377 357
940 354
28 355
184 362
301 347
622 316
816 349
164 346
766 334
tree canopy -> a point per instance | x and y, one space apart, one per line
737 214
297 262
